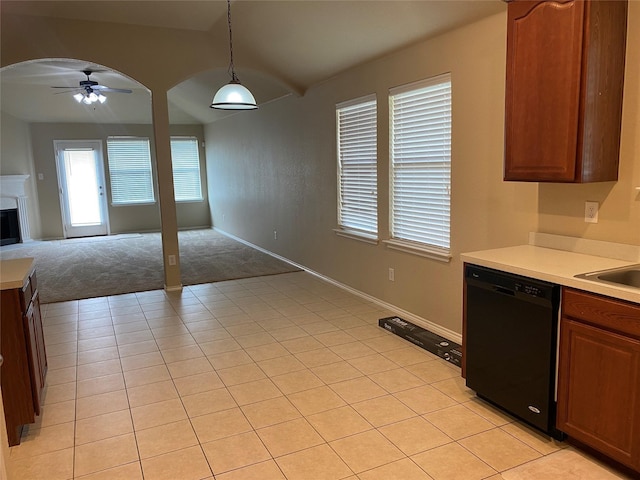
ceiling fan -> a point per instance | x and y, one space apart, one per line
89 91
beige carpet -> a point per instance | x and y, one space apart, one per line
98 266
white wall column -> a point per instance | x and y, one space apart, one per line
23 219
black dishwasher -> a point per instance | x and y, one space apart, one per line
511 337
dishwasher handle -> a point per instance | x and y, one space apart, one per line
504 291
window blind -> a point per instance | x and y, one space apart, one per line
185 159
421 162
130 170
357 164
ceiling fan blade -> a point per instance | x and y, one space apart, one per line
68 88
102 88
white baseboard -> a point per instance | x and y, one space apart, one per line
404 314
177 288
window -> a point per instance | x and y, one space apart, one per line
130 170
421 167
357 167
186 169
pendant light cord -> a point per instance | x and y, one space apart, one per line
233 96
234 78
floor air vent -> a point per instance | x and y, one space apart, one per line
446 349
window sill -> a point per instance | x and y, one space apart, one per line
434 253
355 235
133 204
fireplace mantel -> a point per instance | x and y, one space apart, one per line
13 185
13 195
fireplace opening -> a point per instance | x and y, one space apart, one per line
9 228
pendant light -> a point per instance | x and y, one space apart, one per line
233 96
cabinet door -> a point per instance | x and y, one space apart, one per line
39 333
17 394
36 374
599 390
544 57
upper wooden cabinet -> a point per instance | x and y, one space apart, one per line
565 72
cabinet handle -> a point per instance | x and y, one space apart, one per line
1 360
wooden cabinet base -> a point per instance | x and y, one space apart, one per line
599 375
25 359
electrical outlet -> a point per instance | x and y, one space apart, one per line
591 212
172 259
275 234
392 275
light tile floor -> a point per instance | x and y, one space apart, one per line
279 377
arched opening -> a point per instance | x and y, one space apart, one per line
38 104
70 151
39 96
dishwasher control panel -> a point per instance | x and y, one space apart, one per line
531 290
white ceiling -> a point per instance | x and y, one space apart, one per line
303 42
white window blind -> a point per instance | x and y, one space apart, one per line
421 162
130 170
357 165
185 159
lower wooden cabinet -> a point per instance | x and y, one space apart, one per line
35 350
25 359
599 375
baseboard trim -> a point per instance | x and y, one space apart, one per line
177 288
406 315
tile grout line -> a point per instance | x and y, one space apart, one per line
124 381
180 396
242 411
302 416
75 400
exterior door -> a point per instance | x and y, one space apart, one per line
81 185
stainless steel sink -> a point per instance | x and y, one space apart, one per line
627 276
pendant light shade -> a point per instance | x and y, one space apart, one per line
233 96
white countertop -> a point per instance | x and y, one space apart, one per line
556 266
13 273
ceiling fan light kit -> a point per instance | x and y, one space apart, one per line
233 96
89 98
90 91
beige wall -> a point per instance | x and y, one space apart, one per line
275 169
561 207
16 159
133 218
